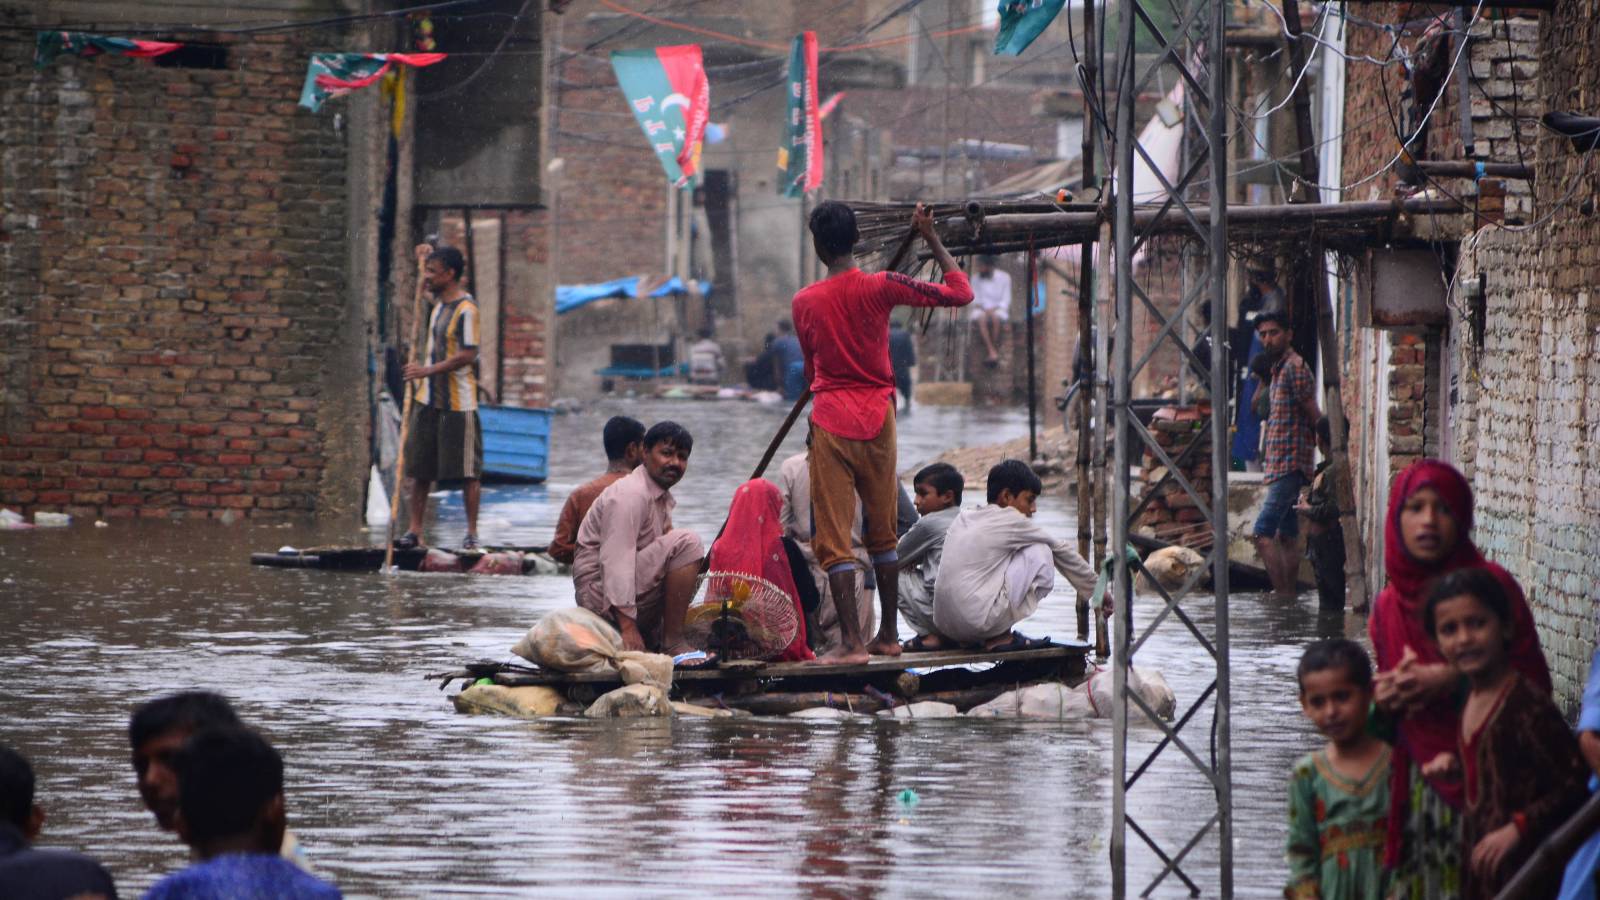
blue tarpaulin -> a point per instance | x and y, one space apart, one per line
571 296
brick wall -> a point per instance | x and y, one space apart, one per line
175 323
1523 410
1530 422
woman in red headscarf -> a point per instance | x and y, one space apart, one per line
751 544
1426 534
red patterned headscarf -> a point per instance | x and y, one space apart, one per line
1396 624
752 544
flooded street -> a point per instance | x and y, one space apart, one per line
394 794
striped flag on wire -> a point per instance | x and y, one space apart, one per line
337 74
51 44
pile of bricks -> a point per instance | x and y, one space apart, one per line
1172 515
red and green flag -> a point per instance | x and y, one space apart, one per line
800 156
670 97
51 44
1021 21
336 74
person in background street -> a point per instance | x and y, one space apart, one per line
232 815
631 566
1427 534
624 442
1339 795
902 359
1325 538
1519 762
157 730
27 873
991 307
790 361
760 373
706 363
938 502
1286 455
843 326
444 441
998 565
1583 869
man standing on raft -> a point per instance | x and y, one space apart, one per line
843 326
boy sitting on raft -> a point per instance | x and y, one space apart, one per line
998 565
938 500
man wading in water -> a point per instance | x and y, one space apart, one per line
843 326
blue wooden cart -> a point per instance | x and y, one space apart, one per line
516 443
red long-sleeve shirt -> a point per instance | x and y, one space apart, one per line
843 326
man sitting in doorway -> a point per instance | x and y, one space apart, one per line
991 306
1286 454
624 442
997 566
631 566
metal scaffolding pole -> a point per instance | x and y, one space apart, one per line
1191 47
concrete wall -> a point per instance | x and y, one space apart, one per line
184 317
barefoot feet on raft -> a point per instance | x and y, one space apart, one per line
841 656
883 646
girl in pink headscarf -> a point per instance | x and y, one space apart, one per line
1427 534
751 544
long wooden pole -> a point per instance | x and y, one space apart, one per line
405 424
1355 569
1085 355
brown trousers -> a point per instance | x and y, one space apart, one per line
841 470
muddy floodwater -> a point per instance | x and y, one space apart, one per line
394 794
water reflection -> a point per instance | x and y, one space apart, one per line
396 795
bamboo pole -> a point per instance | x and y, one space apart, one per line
1355 570
405 423
1091 179
1553 853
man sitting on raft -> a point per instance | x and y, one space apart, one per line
997 567
632 567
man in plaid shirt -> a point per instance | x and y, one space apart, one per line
1289 442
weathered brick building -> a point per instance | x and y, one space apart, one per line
201 276
184 327
1502 384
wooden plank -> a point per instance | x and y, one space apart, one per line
744 670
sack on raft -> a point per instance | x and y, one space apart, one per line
922 709
501 562
1171 567
436 560
1092 699
636 701
528 702
1038 701
576 640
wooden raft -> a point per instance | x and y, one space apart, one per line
777 688
363 559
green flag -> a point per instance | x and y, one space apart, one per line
800 155
1021 21
670 97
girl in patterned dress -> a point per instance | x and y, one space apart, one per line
1339 795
